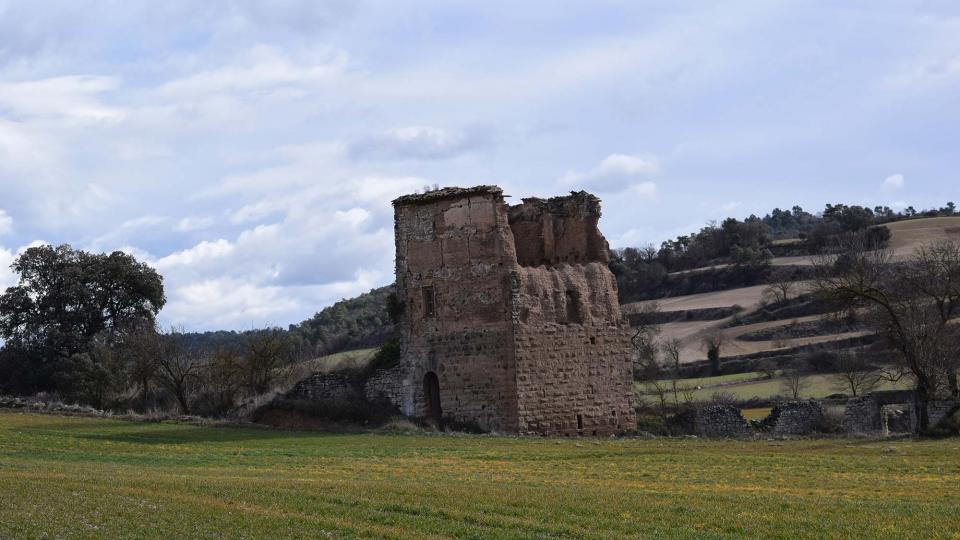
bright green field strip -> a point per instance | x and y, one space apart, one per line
353 358
816 386
706 381
79 477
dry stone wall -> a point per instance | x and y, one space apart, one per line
883 413
861 416
938 411
323 386
385 384
795 418
721 421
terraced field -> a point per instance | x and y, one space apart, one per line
906 236
67 477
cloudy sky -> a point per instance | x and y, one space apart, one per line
249 150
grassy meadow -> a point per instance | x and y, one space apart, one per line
85 477
743 386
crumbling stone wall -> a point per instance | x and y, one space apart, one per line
385 384
795 418
513 311
882 413
938 411
721 421
861 416
558 230
572 351
323 386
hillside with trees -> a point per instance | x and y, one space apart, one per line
355 323
737 253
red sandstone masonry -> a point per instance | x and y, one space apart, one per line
515 312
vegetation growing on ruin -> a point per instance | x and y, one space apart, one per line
105 478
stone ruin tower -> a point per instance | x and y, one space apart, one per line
511 319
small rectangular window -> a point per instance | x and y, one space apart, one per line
429 309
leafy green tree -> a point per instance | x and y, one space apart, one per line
66 298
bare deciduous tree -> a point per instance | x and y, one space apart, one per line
671 357
141 352
910 303
644 341
264 352
794 382
178 370
854 374
223 376
782 285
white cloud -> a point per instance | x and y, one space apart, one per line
272 272
143 221
227 302
201 253
892 182
929 72
261 68
615 173
418 142
189 224
7 277
74 98
6 222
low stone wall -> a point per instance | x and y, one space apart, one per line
323 386
385 384
868 415
862 416
937 411
795 418
721 421
382 385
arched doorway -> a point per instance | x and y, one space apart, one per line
431 390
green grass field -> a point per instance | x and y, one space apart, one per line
83 477
329 362
751 385
707 381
